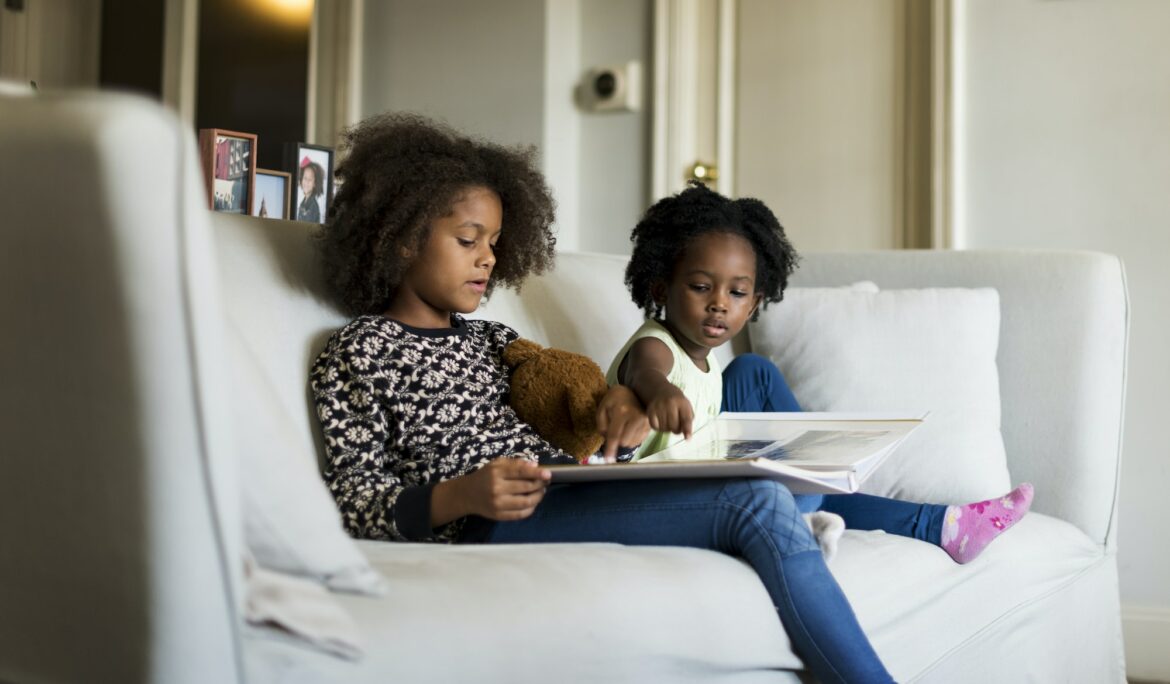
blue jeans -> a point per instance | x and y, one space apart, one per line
753 383
753 519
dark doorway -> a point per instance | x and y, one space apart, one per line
253 71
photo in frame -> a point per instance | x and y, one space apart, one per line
229 169
273 191
311 167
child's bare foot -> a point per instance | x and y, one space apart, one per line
968 529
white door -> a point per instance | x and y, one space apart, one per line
832 112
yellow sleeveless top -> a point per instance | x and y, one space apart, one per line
704 390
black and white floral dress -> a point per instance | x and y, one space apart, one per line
405 408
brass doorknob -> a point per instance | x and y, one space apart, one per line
703 172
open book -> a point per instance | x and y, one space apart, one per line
809 452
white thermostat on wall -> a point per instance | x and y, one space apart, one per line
612 88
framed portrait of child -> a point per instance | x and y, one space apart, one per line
311 169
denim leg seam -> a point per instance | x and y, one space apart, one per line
761 526
763 531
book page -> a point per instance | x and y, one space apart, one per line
810 446
818 443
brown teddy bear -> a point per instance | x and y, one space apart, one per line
557 393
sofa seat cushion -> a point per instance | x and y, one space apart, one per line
604 612
921 608
554 612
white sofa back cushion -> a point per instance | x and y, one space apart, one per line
278 321
581 306
1062 352
291 523
274 298
847 349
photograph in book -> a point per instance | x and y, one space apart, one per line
808 447
808 452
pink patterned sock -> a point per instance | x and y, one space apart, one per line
968 529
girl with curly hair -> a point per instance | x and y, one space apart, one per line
412 397
702 266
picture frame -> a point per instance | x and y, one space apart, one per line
311 198
229 169
272 195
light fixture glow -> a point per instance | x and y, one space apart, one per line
286 11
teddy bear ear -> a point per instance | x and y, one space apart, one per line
520 351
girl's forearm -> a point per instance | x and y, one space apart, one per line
649 384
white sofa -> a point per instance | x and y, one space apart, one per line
121 545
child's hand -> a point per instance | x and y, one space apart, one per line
621 420
504 489
671 411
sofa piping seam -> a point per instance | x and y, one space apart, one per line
1104 558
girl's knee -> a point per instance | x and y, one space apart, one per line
761 493
758 368
750 363
753 383
770 504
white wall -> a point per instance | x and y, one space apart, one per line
615 146
477 65
506 70
1066 143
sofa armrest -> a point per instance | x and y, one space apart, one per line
121 552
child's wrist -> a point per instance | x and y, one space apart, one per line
448 502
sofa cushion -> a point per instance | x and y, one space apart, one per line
614 613
930 611
118 502
848 349
290 521
551 612
277 320
274 296
581 306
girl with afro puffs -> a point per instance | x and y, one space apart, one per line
411 397
702 266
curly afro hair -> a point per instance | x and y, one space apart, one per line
672 223
400 172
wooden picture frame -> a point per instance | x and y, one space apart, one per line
272 195
229 169
302 158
